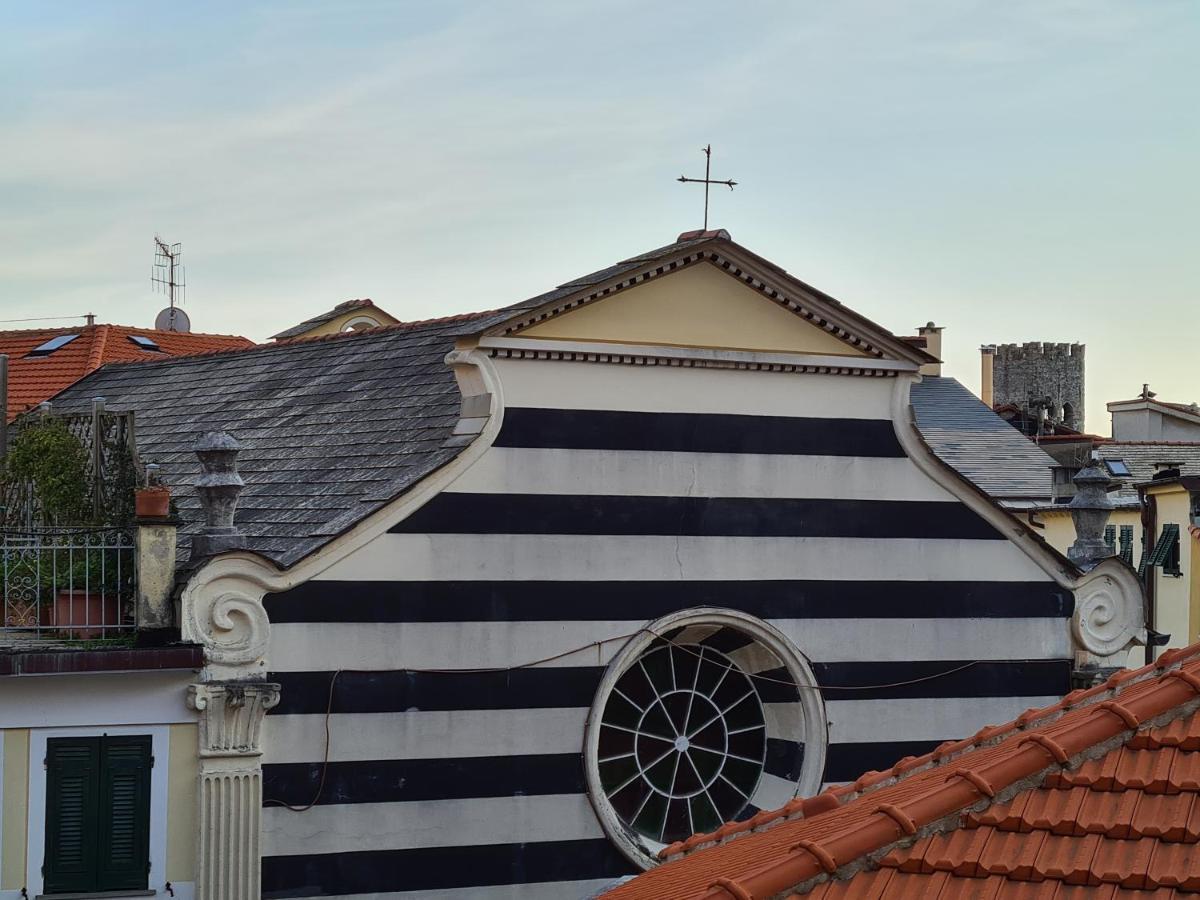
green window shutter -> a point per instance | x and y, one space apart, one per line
124 819
1127 543
1166 541
72 779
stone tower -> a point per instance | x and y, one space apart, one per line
1036 377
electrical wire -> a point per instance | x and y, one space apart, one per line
598 646
41 319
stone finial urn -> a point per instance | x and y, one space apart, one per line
218 486
1090 509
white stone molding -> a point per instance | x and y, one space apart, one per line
1109 599
815 723
228 849
696 357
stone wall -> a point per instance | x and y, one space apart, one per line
1035 376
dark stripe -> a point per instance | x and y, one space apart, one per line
399 780
399 691
582 429
1008 678
784 758
451 513
440 868
557 601
575 686
846 762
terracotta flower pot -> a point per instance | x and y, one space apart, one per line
152 502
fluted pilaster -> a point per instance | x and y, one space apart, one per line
231 715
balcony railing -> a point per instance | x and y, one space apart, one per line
67 583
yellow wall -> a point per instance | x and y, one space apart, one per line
16 808
181 806
699 306
181 803
1174 597
1060 531
333 326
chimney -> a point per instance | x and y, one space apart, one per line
987 359
218 486
1090 509
933 345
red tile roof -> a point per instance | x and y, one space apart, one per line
1097 796
32 379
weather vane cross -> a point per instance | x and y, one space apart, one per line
706 181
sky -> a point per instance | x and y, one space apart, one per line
1018 171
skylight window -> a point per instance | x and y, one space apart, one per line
51 345
145 343
1118 468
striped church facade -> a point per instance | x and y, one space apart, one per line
439 732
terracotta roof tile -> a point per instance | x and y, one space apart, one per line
1094 797
32 379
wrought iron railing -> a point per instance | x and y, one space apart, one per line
67 583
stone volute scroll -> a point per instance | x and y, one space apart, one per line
222 605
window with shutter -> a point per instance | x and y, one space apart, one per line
98 814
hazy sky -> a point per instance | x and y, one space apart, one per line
1015 171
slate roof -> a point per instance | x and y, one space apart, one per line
329 315
32 379
1141 457
331 428
980 445
1097 796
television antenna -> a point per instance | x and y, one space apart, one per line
167 276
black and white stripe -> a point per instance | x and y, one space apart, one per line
575 530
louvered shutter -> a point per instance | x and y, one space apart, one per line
124 817
72 770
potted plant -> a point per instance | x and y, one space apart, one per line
153 501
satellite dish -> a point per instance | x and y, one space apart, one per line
173 319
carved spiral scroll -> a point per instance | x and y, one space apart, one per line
225 614
1107 618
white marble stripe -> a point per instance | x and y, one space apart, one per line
354 827
424 734
772 791
504 557
950 718
357 737
477 645
509 470
541 890
568 385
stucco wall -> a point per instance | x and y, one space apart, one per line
85 705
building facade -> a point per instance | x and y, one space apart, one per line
529 595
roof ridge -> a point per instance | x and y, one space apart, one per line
96 351
911 766
314 339
1086 724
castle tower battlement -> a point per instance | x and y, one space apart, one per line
1040 376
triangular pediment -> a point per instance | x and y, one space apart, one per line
699 305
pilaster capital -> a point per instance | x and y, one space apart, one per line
231 716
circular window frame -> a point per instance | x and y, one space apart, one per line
816 736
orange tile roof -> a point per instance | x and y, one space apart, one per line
32 379
1097 796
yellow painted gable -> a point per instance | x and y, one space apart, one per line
698 306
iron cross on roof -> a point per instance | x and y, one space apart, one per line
706 181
